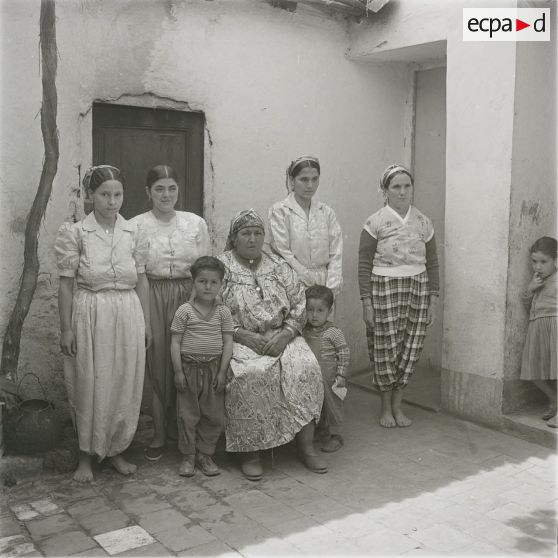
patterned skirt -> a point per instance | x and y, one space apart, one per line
400 315
165 296
539 352
269 399
105 379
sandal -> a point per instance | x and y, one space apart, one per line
314 463
333 443
251 466
153 454
549 412
552 422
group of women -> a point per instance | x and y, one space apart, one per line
131 276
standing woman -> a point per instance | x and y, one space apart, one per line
305 232
175 239
103 333
398 280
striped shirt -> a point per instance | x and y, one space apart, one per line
334 347
202 335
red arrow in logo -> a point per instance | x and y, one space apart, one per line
519 25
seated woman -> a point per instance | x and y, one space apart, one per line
274 390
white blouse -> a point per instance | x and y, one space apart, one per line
173 246
308 242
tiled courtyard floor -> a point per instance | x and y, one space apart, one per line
443 486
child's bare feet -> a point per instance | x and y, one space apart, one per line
387 420
122 466
83 473
402 419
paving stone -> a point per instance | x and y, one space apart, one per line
215 548
386 542
143 505
507 511
9 526
16 545
72 492
442 538
191 500
67 544
89 506
273 547
494 533
52 525
45 506
214 514
182 538
154 549
97 551
103 522
24 512
163 520
121 540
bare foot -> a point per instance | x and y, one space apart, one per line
122 466
83 473
401 419
387 420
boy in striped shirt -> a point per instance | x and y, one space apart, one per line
201 349
332 352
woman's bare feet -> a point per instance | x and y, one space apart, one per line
386 414
401 419
121 465
83 473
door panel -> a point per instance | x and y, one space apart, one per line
136 139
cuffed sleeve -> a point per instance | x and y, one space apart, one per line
432 265
335 266
366 251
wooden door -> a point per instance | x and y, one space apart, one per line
135 139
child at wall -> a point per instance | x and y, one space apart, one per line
539 353
201 349
332 352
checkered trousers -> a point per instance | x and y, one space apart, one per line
400 313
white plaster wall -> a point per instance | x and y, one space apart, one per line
481 82
272 84
533 198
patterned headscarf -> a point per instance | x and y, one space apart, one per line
243 219
389 173
296 163
111 173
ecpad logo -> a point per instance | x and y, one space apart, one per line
506 24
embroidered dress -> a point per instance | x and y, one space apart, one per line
332 352
539 353
312 245
400 294
173 248
268 399
105 379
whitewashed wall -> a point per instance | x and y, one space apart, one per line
272 84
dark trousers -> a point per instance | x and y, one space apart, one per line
199 409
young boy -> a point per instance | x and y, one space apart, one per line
328 344
201 349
